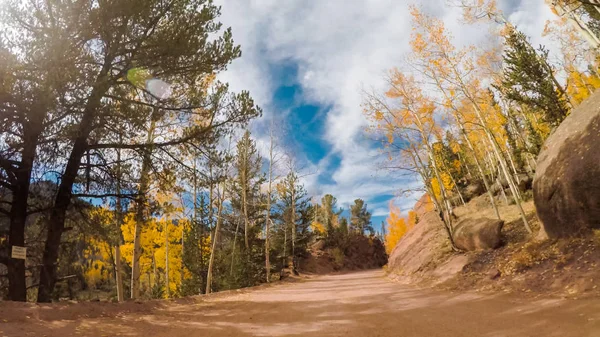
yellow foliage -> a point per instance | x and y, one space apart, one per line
580 85
396 228
154 238
317 227
97 254
448 185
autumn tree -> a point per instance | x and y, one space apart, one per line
327 212
454 74
274 158
248 167
96 67
396 228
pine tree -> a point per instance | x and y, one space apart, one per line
246 185
528 78
295 216
360 219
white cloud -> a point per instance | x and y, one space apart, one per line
341 46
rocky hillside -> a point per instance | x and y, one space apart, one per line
357 253
562 254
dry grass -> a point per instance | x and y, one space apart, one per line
567 267
480 207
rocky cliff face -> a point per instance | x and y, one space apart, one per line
566 187
424 250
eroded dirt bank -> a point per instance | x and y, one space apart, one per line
355 304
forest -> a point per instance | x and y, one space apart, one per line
126 166
461 118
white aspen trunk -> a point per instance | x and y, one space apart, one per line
469 174
268 210
429 149
514 168
118 276
237 228
155 271
490 163
285 257
470 145
577 23
211 203
483 177
245 188
421 168
167 259
293 227
508 177
462 200
119 215
464 88
182 271
502 190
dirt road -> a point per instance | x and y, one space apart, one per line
358 304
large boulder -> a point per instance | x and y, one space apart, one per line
566 186
476 234
525 182
473 190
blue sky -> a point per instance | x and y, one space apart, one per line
306 63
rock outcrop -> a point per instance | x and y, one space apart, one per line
423 247
359 252
473 190
478 234
566 187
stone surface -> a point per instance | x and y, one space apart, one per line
473 190
566 187
493 273
476 234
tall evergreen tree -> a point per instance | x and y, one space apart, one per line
328 213
360 219
295 216
529 79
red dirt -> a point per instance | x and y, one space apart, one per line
355 304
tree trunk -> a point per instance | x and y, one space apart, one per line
211 202
447 209
140 214
466 166
284 261
118 276
237 228
245 205
578 24
182 271
502 190
293 228
17 286
119 218
214 247
421 168
268 210
56 223
168 289
154 270
483 177
502 163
